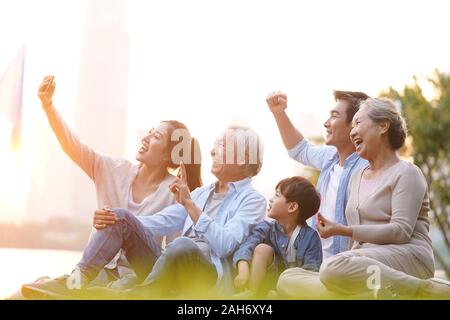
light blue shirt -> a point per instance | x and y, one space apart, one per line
324 158
243 207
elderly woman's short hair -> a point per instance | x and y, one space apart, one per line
384 110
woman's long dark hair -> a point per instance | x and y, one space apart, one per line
193 167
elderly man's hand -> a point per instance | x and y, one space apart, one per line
277 101
104 218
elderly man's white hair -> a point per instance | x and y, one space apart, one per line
248 147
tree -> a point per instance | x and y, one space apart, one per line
429 127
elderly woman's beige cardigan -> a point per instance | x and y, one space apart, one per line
394 216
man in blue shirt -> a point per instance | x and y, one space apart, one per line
336 161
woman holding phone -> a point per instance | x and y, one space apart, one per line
142 188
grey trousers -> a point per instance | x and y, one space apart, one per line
358 273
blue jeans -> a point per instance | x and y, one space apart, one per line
179 265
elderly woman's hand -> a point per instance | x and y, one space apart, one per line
327 228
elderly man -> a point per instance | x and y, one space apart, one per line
214 221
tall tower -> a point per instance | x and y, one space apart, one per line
100 115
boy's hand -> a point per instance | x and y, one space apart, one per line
241 280
46 90
277 101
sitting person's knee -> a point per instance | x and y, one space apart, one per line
333 269
180 245
263 254
283 282
123 214
289 280
182 242
263 249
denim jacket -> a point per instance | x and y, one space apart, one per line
307 245
324 158
242 209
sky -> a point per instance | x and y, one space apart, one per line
209 63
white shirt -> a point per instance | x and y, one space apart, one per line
328 207
291 253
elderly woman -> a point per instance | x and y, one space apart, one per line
387 213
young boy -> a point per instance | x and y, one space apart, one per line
283 243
